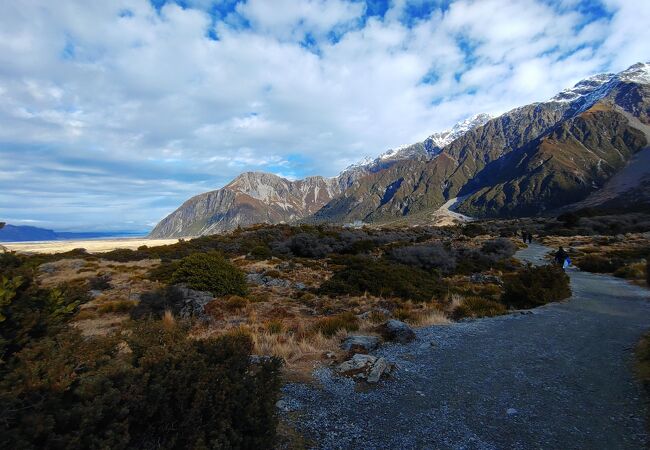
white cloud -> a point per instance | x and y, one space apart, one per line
149 96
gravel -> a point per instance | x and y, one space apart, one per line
557 378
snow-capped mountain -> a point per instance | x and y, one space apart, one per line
588 91
427 149
529 160
444 138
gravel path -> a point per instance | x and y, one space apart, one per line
559 377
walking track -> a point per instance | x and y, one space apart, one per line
557 378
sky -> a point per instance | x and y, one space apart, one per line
112 113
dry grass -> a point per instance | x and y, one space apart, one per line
429 317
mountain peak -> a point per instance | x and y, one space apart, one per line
443 138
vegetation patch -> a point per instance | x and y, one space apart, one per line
367 275
535 286
210 272
329 326
475 307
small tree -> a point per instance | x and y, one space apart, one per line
211 272
536 286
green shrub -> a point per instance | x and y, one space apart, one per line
261 252
598 264
164 272
478 307
382 278
125 255
169 391
634 271
534 286
210 272
329 326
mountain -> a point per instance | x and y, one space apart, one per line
527 161
257 197
24 233
531 160
252 197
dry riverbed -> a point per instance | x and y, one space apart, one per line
91 245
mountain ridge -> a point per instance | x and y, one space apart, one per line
473 163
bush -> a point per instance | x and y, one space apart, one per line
478 307
599 264
500 248
634 271
329 326
164 272
169 391
535 286
261 252
428 257
210 272
100 283
381 278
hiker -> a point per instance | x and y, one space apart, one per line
530 238
562 258
524 236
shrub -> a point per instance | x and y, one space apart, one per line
169 391
125 255
535 286
117 306
381 278
329 326
100 283
634 271
428 257
210 272
275 327
164 272
478 307
500 248
599 264
261 252
235 302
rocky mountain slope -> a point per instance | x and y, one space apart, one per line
252 197
256 197
527 161
531 160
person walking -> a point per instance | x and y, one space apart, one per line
562 258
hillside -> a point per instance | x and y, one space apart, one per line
532 160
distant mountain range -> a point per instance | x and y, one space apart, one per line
570 151
24 233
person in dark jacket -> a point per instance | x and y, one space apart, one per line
561 256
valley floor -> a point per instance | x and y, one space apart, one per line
91 245
557 377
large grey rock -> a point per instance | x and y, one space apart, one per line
379 368
360 343
365 368
395 330
265 280
484 278
191 303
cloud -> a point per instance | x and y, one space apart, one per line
113 113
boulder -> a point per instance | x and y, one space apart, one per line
365 368
483 278
395 330
360 343
265 280
191 303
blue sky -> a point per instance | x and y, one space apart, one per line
113 113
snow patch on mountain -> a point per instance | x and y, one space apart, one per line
588 91
429 148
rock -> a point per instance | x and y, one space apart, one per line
484 278
378 369
511 411
357 364
265 280
376 311
360 343
365 367
191 303
300 286
395 330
